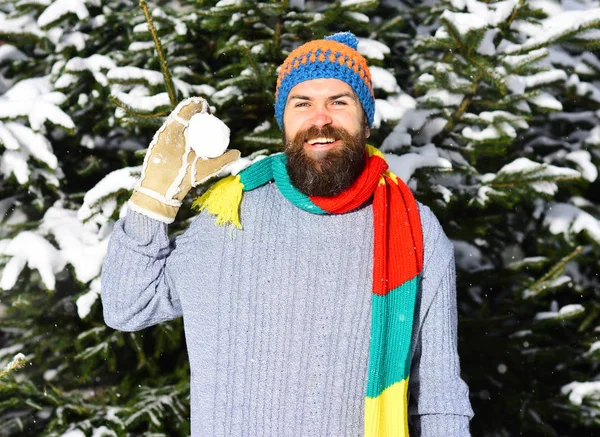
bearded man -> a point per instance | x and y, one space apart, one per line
331 309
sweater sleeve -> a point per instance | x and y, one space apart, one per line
135 286
439 403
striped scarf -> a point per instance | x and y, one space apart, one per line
397 265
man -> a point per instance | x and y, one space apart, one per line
331 311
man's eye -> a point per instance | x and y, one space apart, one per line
339 102
301 105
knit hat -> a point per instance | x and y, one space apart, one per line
335 57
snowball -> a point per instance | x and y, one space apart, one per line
207 135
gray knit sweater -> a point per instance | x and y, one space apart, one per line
277 318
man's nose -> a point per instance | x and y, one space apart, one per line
321 117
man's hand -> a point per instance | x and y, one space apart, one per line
171 168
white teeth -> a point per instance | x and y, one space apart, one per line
320 140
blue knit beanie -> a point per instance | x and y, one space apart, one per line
335 57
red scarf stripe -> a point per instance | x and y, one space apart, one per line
397 225
380 244
404 244
358 193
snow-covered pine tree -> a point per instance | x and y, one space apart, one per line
508 94
60 66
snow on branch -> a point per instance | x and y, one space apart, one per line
17 362
34 98
569 220
559 26
77 246
578 391
60 9
23 26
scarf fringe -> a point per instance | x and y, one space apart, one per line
223 200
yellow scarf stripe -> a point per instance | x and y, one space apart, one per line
386 415
223 200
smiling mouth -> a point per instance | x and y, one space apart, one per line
321 142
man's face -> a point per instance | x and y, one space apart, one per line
324 134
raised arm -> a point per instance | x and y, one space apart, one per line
136 289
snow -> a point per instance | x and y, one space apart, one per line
583 159
86 301
207 135
546 100
263 127
372 49
583 89
545 78
34 98
15 163
32 144
17 360
556 283
562 218
143 103
413 119
24 25
357 16
593 348
514 62
135 75
431 128
442 97
468 257
555 27
566 311
9 53
49 375
60 8
486 47
73 39
139 46
406 164
494 13
226 94
384 79
347 3
464 22
594 137
536 173
227 3
476 134
73 433
577 391
103 431
31 249
393 108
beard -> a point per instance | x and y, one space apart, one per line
325 173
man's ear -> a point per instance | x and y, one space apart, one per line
367 131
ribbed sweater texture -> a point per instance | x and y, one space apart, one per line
277 317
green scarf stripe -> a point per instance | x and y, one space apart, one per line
391 332
282 179
275 168
258 174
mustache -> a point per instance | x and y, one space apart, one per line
316 132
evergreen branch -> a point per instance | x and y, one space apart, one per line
539 284
137 114
259 75
161 55
530 181
17 363
466 101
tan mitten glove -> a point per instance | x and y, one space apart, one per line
171 168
